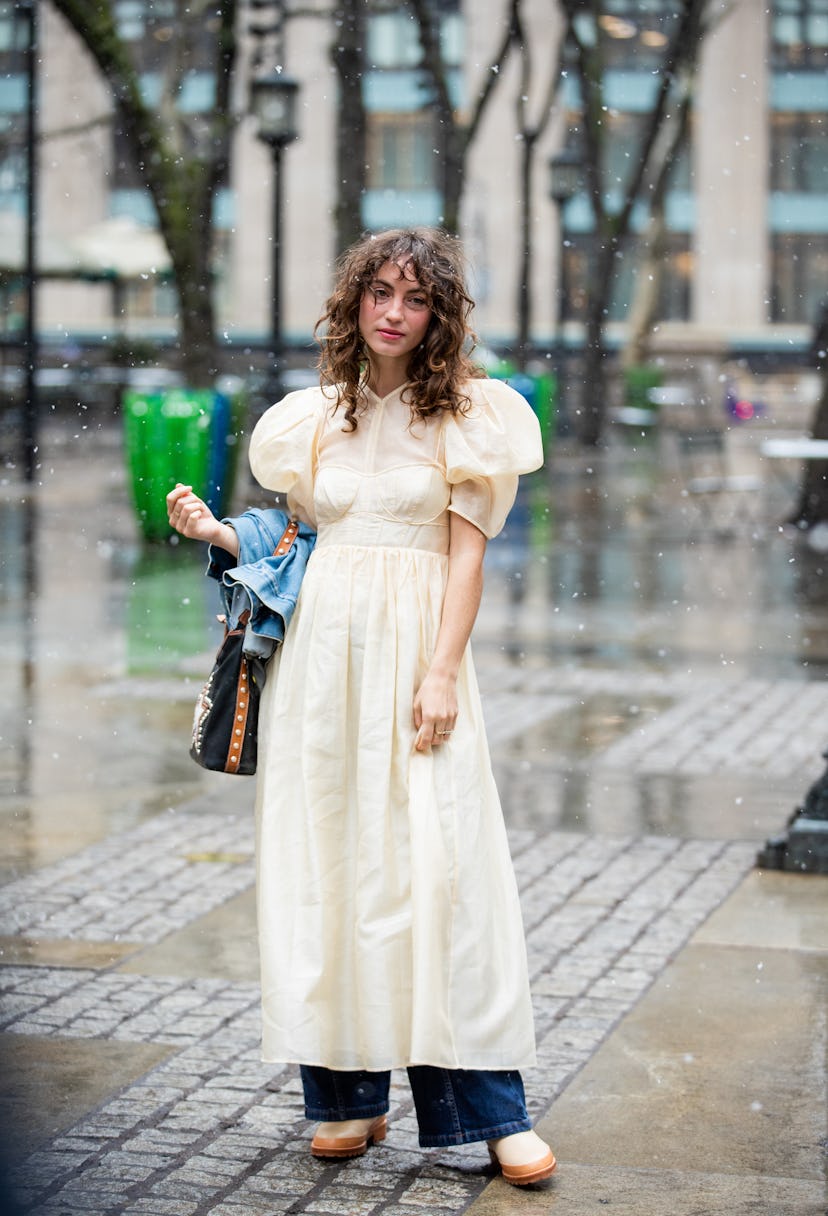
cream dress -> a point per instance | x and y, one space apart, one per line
389 925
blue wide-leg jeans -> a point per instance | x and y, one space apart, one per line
454 1106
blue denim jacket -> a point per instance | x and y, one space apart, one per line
267 585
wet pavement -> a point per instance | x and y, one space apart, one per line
653 659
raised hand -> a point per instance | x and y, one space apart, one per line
191 516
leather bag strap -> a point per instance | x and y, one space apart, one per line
288 537
234 751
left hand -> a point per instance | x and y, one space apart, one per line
435 711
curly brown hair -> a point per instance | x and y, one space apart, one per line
440 365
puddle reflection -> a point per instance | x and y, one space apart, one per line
104 643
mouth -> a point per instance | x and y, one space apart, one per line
390 333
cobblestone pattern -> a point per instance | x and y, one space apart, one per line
777 728
141 885
135 886
774 728
212 1130
132 1008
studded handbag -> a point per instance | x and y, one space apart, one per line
226 719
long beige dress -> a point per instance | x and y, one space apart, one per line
389 925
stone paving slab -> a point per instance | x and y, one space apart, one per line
768 727
138 885
774 728
212 1129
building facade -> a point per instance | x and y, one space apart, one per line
746 249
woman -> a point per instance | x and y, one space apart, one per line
389 924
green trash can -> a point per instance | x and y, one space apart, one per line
180 435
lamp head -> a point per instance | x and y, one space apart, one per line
273 102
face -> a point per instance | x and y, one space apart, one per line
394 312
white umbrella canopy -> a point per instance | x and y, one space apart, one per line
122 249
116 248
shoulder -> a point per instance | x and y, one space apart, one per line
497 433
314 400
302 409
485 394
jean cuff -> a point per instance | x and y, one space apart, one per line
471 1135
338 1114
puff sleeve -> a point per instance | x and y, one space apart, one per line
283 449
486 450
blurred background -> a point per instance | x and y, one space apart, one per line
641 189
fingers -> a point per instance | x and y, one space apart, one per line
178 493
435 712
185 509
433 733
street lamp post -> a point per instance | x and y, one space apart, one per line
564 182
273 102
27 9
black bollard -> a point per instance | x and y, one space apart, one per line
803 848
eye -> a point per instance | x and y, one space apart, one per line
380 293
417 302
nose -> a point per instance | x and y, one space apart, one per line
395 307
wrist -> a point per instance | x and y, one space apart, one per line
443 669
225 538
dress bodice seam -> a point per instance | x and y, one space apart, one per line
419 550
391 468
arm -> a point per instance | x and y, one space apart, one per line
194 519
435 705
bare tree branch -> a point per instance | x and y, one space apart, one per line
529 135
456 136
180 174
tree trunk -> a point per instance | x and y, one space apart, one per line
454 138
643 313
812 507
348 55
594 377
524 285
196 341
453 147
181 181
185 220
610 229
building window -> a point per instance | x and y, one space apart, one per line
393 38
674 298
622 148
149 26
800 275
404 141
392 41
799 152
401 152
633 36
799 34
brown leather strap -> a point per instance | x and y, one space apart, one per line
288 537
234 752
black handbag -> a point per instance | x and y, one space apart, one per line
226 720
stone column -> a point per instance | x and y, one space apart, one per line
731 173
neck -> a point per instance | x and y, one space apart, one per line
386 376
